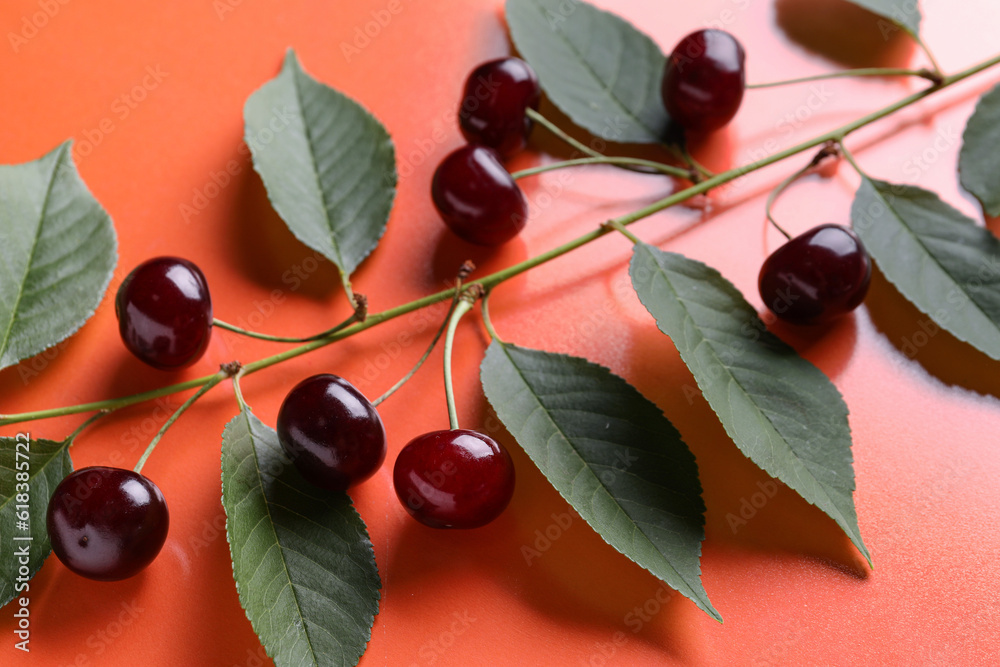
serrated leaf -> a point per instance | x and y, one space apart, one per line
781 411
57 256
302 560
44 464
979 159
610 453
936 257
328 165
904 13
598 69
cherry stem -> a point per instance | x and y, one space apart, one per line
830 149
486 319
430 348
587 150
216 379
93 418
498 277
934 76
850 158
463 306
359 315
938 74
658 166
619 227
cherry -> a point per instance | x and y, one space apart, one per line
331 432
107 523
477 198
704 80
454 479
165 312
816 276
497 93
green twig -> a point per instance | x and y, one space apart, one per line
359 315
932 76
216 379
657 166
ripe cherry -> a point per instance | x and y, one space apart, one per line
165 312
331 432
454 479
497 93
816 276
477 198
107 523
704 80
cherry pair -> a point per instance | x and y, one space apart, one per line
444 479
472 190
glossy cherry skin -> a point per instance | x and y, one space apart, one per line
817 276
496 96
107 523
477 198
165 312
704 80
332 433
454 479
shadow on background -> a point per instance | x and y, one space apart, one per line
746 507
266 250
918 338
844 33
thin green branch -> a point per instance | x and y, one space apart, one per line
216 379
360 312
486 318
498 277
416 367
934 77
619 227
93 418
638 162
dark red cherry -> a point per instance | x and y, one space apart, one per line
816 277
107 523
704 80
477 198
454 479
331 432
492 113
165 312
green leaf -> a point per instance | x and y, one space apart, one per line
936 257
610 453
328 165
302 560
43 464
979 160
598 69
57 256
781 411
904 13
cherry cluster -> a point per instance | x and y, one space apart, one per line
108 523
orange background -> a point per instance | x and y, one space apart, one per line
790 586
